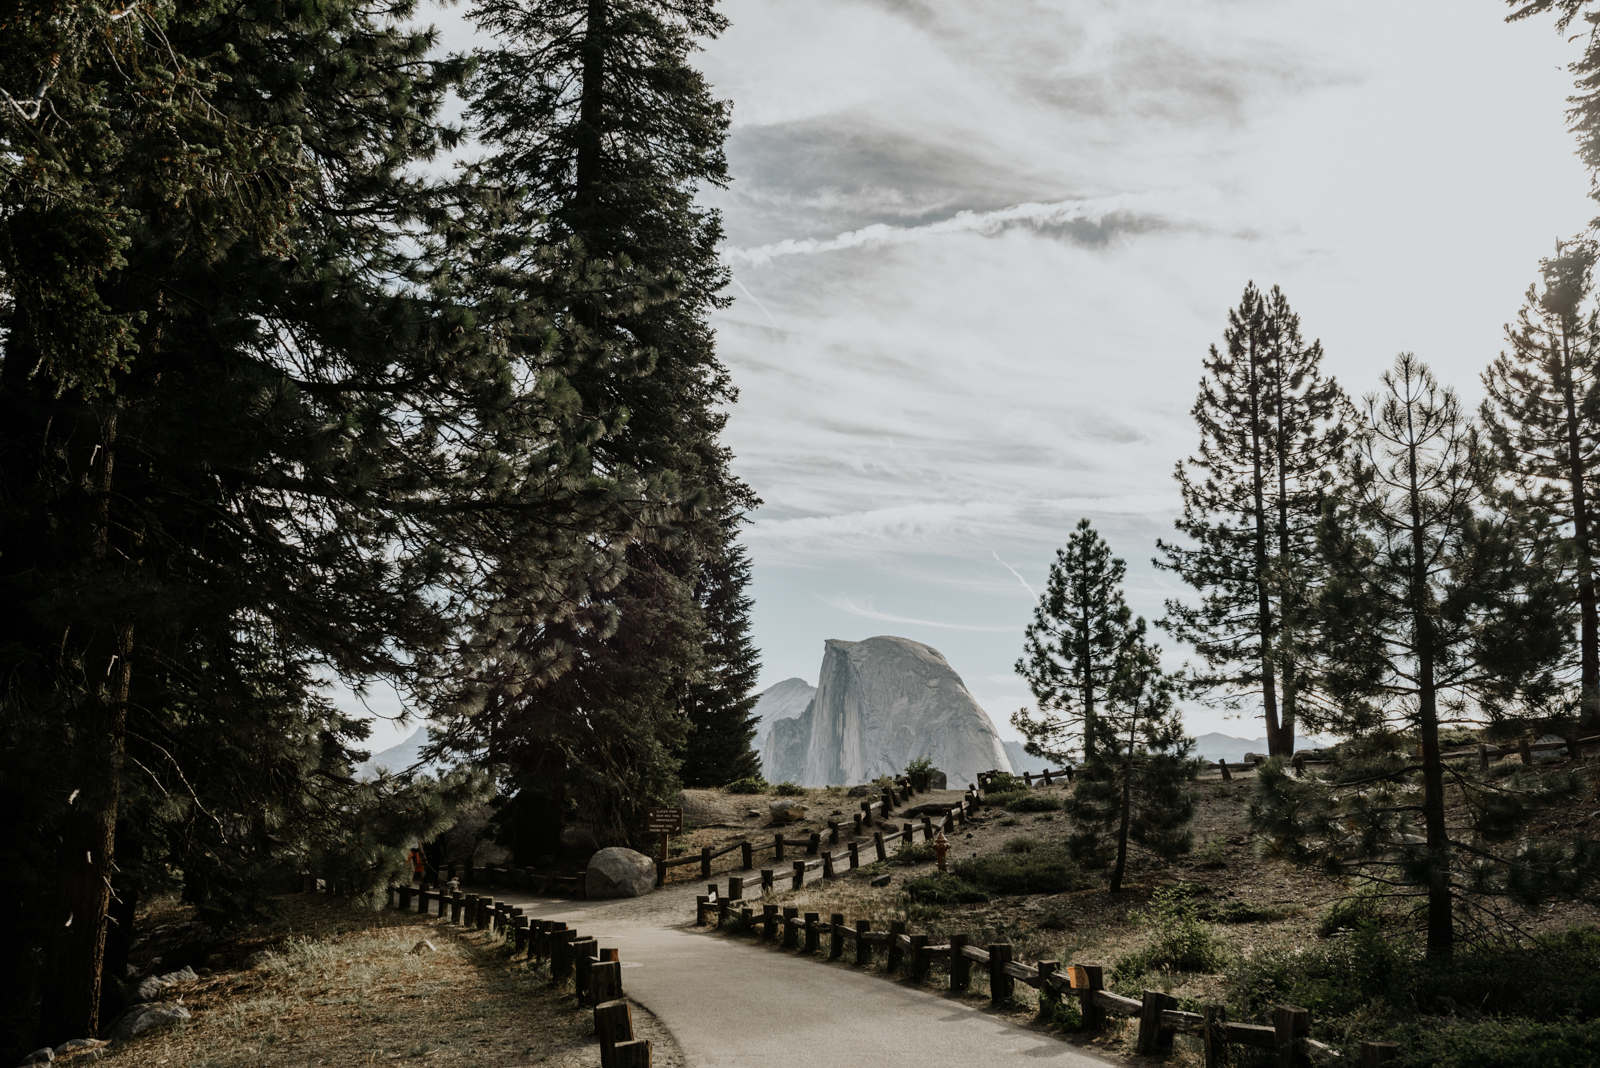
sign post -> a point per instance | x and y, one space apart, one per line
664 821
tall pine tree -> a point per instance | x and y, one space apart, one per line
1070 650
1433 609
1543 417
1271 430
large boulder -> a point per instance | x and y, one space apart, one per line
886 701
620 872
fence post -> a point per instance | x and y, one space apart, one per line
1376 1054
836 936
561 956
766 880
863 947
1483 756
877 843
1227 776
1153 1038
405 897
1047 781
1001 985
856 831
827 864
1047 996
960 966
705 862
745 918
813 844
855 857
799 877
888 802
484 911
583 953
422 902
519 934
747 855
919 959
777 846
700 903
1215 1035
769 922
1087 978
613 1024
927 828
1291 1023
833 832
896 929
661 872
812 934
866 812
791 935
1525 751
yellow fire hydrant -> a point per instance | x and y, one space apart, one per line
941 849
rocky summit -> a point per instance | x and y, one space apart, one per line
880 704
785 701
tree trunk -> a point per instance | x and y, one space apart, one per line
1269 683
1588 614
1122 830
1441 904
1086 658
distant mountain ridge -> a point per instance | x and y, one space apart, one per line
397 757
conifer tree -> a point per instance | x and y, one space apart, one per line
719 749
1070 650
1271 430
1433 609
1135 786
1543 417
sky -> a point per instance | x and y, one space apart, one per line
979 251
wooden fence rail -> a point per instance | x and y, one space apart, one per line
1159 1018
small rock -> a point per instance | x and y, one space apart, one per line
142 1018
786 810
149 989
40 1056
258 958
202 972
882 880
185 974
753 814
421 947
81 1043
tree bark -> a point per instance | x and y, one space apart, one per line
1588 613
1269 682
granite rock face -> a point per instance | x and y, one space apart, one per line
788 700
785 757
886 701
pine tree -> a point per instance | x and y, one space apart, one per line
1070 650
1433 609
1543 418
597 126
1135 786
307 454
719 749
1271 429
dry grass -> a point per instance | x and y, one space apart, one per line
344 988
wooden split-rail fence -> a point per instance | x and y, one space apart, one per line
594 971
1160 1019
1484 753
810 852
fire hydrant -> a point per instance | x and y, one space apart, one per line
941 849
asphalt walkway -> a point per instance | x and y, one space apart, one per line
733 1005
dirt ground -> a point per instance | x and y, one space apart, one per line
344 987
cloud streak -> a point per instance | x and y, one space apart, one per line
1163 207
863 607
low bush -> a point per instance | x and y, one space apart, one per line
911 853
1179 940
1010 821
1044 870
1239 912
943 888
789 789
1023 845
755 784
1214 854
1362 908
1024 801
1004 782
1458 1043
1334 977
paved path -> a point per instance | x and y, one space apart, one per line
733 1005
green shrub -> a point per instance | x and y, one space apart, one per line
1333 977
920 766
1004 783
789 789
925 913
942 888
1063 1013
755 784
911 853
1457 1043
1054 921
1010 821
1022 845
1178 940
1360 909
1046 870
1214 854
1238 912
1027 802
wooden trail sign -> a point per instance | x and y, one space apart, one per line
664 821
